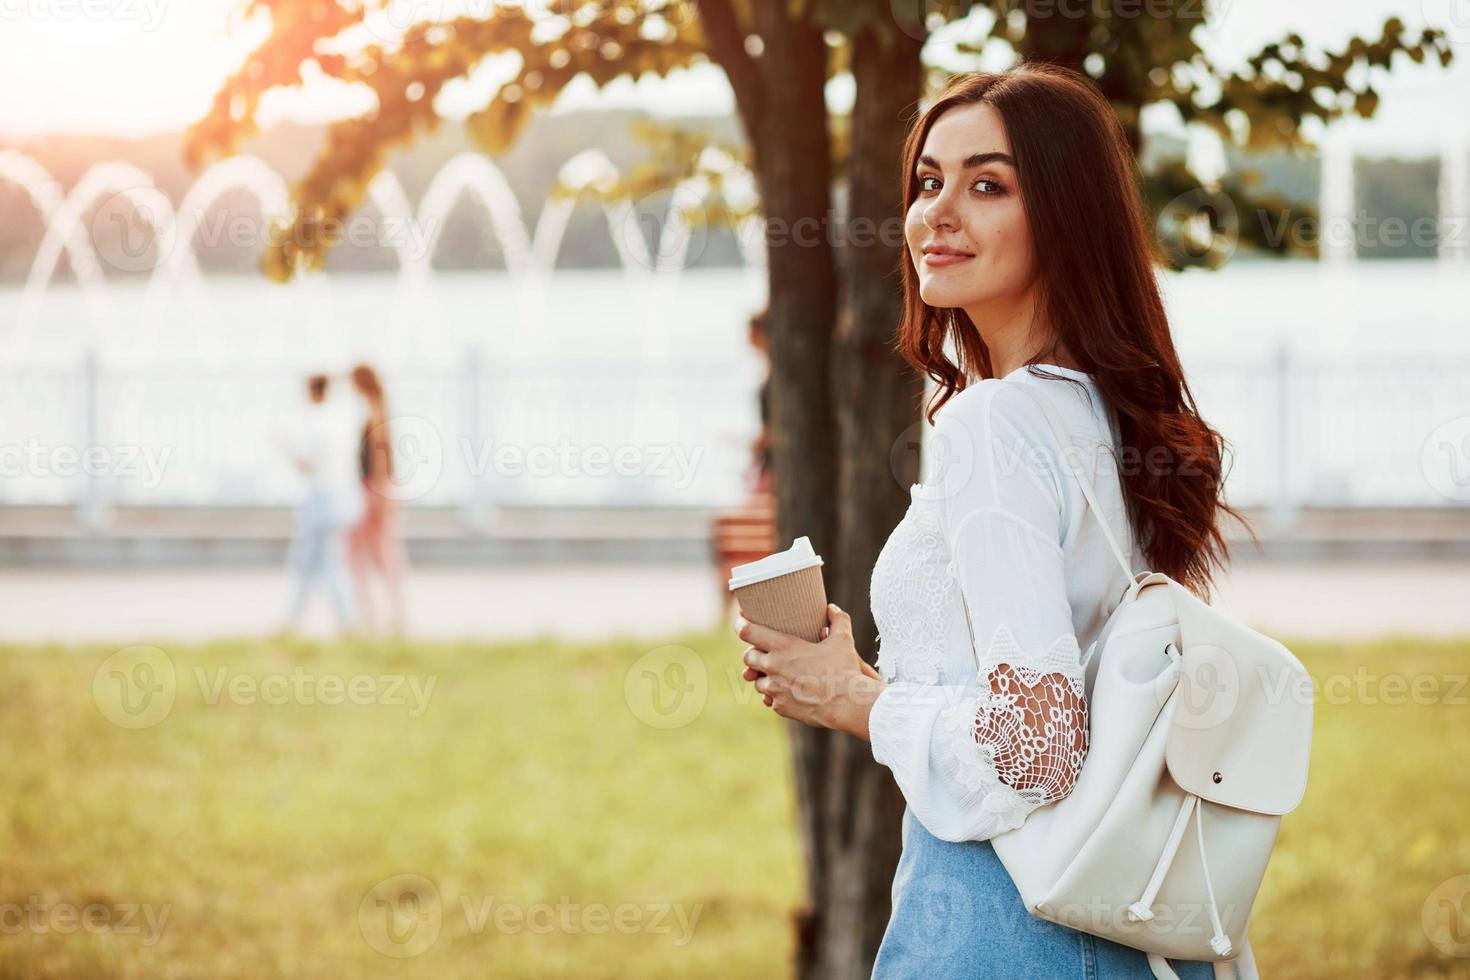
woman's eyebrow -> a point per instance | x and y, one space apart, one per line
973 160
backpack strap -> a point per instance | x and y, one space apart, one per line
1063 434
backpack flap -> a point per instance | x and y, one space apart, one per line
1241 730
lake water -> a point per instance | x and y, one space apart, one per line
597 387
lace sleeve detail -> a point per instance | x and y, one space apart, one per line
1031 724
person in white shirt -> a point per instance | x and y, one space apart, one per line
1028 256
324 449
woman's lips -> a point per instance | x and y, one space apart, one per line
941 259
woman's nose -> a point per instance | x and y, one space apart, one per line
940 213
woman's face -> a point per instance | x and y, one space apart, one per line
969 200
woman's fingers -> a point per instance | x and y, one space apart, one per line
756 658
762 636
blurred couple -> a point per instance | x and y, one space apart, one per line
347 524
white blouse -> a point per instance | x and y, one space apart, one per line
979 737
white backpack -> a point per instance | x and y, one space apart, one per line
1200 730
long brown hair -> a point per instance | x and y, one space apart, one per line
1095 269
377 446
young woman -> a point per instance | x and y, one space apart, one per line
375 541
1028 252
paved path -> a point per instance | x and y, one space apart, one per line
651 600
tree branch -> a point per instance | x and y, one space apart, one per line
726 42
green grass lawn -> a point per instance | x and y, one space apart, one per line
544 808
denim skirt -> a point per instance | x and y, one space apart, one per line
957 916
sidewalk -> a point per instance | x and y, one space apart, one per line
645 600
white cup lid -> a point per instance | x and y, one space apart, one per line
800 555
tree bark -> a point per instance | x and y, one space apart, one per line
852 809
832 471
794 172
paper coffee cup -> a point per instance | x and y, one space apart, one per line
784 591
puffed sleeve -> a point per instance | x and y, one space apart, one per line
974 761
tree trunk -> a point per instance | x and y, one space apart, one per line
848 806
851 808
793 171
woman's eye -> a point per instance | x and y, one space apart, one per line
990 188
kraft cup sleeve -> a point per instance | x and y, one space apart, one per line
794 603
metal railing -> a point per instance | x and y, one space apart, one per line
1302 433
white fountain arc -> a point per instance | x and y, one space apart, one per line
590 169
678 235
473 174
401 230
181 265
305 326
46 196
738 187
66 234
27 174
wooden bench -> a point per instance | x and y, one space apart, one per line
743 535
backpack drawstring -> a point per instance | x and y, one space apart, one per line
1141 910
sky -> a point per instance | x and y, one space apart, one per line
134 67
